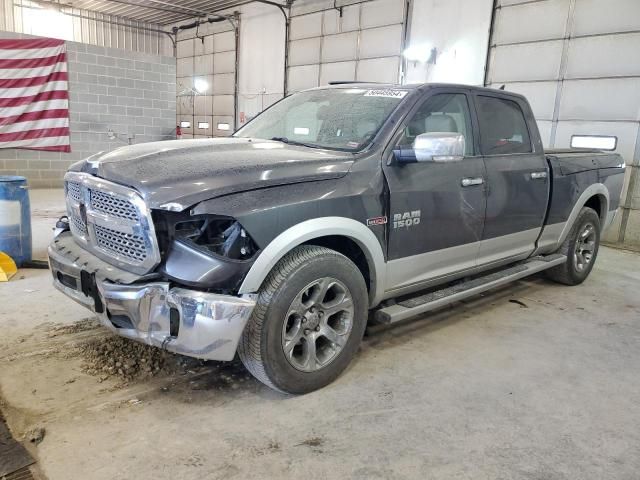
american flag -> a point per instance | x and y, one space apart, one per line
34 97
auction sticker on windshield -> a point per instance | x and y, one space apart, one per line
386 93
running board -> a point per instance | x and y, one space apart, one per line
440 298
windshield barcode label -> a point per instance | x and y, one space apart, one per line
386 93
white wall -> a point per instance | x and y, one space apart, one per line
262 34
29 18
459 30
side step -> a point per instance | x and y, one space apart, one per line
440 298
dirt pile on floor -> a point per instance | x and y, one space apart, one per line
83 325
113 356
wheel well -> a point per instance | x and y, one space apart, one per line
349 249
597 202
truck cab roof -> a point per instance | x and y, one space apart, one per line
414 87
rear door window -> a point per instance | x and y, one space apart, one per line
503 128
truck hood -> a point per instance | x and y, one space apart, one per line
176 174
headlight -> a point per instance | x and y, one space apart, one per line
219 235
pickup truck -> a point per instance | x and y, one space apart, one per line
335 208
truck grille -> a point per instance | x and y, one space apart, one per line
111 221
125 244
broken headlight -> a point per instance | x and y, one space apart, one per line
219 235
222 236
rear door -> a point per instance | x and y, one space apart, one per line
437 209
517 178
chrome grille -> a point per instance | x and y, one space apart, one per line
105 203
112 222
78 224
125 244
73 190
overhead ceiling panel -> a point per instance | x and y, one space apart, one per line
161 12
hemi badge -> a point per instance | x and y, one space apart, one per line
376 221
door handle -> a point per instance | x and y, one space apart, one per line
538 175
469 182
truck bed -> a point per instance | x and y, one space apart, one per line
573 160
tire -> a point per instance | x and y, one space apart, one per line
290 314
580 259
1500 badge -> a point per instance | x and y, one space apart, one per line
406 219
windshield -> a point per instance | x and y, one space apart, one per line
334 118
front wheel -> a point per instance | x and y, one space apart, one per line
581 248
308 321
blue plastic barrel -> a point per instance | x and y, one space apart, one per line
15 218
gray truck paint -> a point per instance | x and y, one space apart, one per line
285 195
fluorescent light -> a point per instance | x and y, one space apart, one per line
224 126
185 124
418 53
201 85
598 142
203 125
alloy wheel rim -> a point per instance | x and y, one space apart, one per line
318 324
585 247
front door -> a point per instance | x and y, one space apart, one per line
516 179
437 209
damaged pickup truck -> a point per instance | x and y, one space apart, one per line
336 207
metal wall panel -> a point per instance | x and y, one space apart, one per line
381 42
339 70
545 21
364 43
306 26
379 13
382 69
305 51
604 56
606 16
334 23
340 47
591 73
593 99
525 62
93 28
210 57
303 77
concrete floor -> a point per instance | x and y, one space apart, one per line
486 389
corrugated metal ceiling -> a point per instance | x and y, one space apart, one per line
154 11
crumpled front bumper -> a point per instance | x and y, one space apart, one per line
189 322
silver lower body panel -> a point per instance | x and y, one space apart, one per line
188 322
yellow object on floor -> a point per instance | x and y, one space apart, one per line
7 267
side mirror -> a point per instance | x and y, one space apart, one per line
433 147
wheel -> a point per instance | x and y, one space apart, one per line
580 247
308 322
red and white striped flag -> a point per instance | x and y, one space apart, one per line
34 96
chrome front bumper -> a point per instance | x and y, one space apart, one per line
189 322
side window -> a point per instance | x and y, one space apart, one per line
503 129
444 112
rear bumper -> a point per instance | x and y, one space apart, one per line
189 322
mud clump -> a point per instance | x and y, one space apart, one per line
124 359
35 435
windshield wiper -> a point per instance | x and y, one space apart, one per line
293 142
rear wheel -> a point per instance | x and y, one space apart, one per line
581 248
308 322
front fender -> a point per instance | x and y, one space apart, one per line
316 228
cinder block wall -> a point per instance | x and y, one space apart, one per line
131 93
